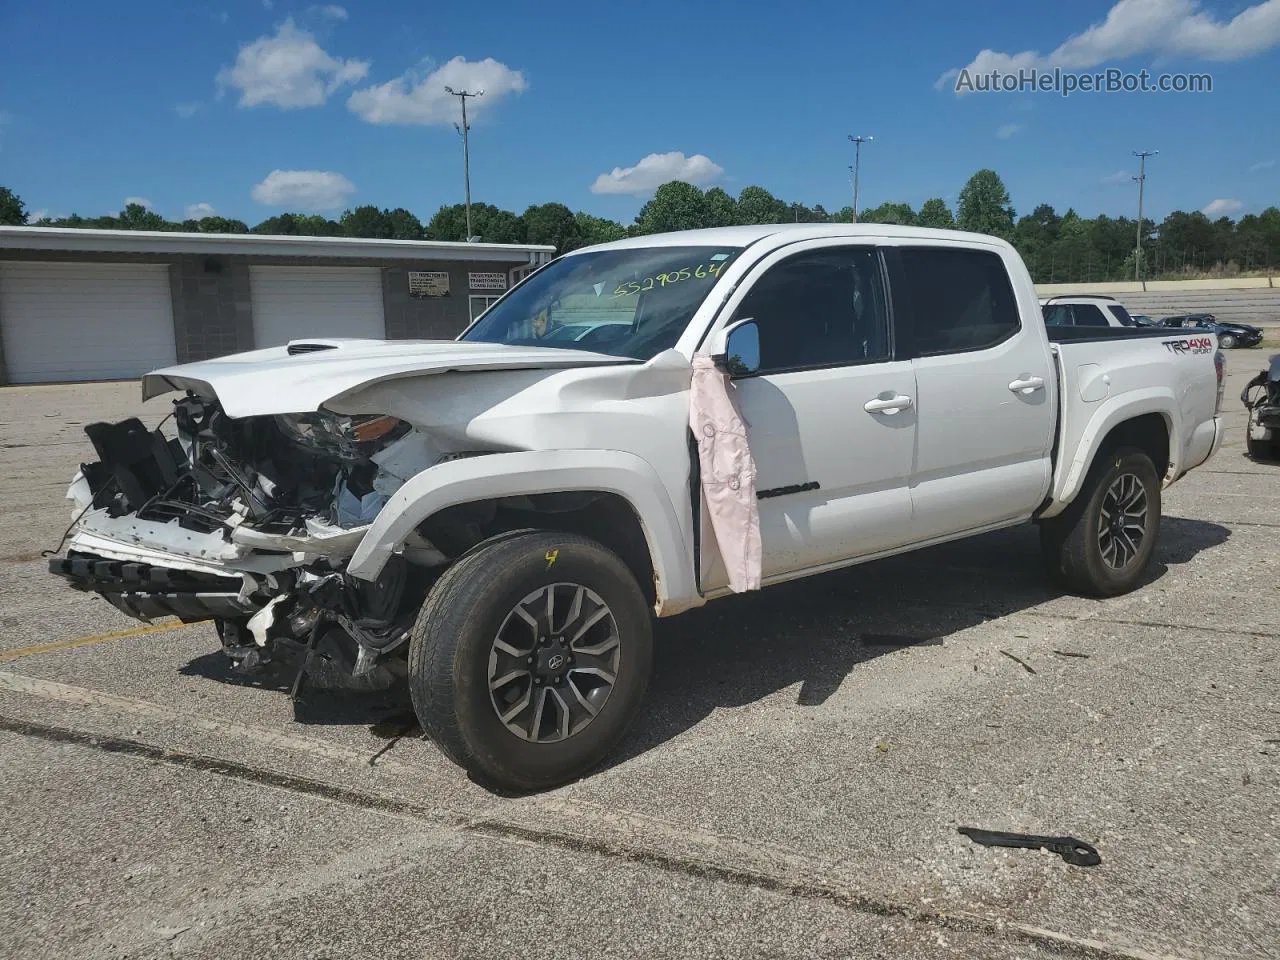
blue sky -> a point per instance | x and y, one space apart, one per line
255 106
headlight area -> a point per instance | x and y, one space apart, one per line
250 522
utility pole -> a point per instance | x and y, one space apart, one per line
466 146
1142 181
857 165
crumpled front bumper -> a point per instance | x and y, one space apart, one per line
146 591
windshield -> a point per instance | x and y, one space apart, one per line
628 303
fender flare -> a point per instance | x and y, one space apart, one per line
540 471
1113 412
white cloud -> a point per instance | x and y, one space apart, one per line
329 11
288 70
1221 207
35 216
1155 27
140 201
198 211
268 4
1120 176
186 110
1262 165
303 189
655 170
411 98
1008 130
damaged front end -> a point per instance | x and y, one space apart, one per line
250 522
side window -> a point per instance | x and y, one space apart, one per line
1122 315
823 308
960 299
1087 315
1058 315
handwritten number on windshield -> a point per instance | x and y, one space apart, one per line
701 271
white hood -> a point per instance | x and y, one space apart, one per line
275 380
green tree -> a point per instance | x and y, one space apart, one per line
366 221
984 205
13 212
676 206
552 223
758 205
282 225
489 223
722 209
594 230
137 217
404 225
900 213
221 225
843 215
935 213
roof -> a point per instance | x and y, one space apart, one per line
252 244
1070 298
746 235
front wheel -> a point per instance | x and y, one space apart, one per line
529 659
1102 543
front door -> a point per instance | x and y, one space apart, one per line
830 414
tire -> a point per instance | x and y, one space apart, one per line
455 652
1261 451
1226 341
1089 560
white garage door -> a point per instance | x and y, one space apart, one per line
292 303
85 321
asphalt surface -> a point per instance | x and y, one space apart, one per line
792 788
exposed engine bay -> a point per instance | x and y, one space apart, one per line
255 517
1261 396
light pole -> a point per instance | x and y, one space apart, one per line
1142 181
857 165
466 146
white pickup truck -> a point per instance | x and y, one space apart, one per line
499 517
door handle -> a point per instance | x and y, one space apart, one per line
889 405
1027 386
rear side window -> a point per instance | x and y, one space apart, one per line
1058 315
1122 315
961 300
1087 315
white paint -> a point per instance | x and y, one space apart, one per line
85 321
295 303
972 452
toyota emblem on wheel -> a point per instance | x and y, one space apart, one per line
556 662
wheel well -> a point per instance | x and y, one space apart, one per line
1149 433
607 518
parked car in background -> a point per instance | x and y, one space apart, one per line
1142 320
1085 311
1229 334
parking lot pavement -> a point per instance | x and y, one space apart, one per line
792 788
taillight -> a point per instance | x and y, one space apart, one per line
1220 367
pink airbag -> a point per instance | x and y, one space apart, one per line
728 473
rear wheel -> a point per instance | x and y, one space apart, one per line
530 658
1102 543
1226 340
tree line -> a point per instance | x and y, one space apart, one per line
1058 248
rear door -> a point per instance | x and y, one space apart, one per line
986 392
829 410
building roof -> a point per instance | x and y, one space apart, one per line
252 244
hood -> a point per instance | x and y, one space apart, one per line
299 377
1242 327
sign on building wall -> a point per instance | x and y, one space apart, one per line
428 283
487 281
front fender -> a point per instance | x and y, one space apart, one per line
540 471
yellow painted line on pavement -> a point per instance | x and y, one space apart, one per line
7 655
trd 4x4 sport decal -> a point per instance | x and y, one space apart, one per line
1190 345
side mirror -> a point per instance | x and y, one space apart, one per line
736 347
